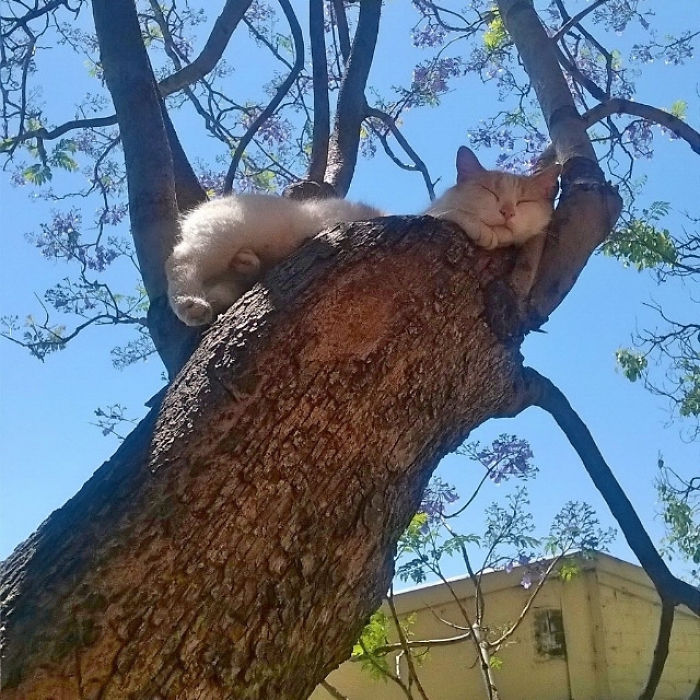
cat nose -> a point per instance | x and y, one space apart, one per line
508 211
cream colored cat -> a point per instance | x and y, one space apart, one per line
226 245
496 208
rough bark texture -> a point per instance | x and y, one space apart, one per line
239 553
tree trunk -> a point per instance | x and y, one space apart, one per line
239 551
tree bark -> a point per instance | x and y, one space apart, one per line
237 542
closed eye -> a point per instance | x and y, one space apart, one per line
489 191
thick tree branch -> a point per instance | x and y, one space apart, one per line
345 140
668 610
149 166
210 55
543 393
238 550
653 114
539 58
588 207
188 191
322 119
282 90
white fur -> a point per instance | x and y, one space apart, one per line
226 244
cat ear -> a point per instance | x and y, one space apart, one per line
467 164
546 181
246 262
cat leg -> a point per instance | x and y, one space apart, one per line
246 262
484 236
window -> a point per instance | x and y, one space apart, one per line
549 633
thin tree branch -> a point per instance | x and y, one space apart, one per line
528 604
569 22
48 135
390 123
543 393
418 644
282 90
341 22
404 645
345 140
322 119
653 114
660 651
383 671
210 55
333 691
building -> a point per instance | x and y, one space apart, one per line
589 638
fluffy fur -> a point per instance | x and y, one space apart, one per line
226 245
495 208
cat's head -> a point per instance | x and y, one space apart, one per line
522 203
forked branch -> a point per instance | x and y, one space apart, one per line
618 105
345 140
274 103
210 55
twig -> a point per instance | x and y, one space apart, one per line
569 22
390 123
282 90
333 691
383 671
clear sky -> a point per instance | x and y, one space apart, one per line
49 447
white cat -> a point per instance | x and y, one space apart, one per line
226 244
496 208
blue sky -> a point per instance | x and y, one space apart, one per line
49 447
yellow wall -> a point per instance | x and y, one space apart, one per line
610 618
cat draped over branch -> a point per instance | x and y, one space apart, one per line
227 244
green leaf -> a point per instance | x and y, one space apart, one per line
37 174
569 570
640 243
679 109
631 363
495 37
496 662
373 636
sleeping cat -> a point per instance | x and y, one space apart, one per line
226 245
496 208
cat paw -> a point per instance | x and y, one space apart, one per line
193 311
